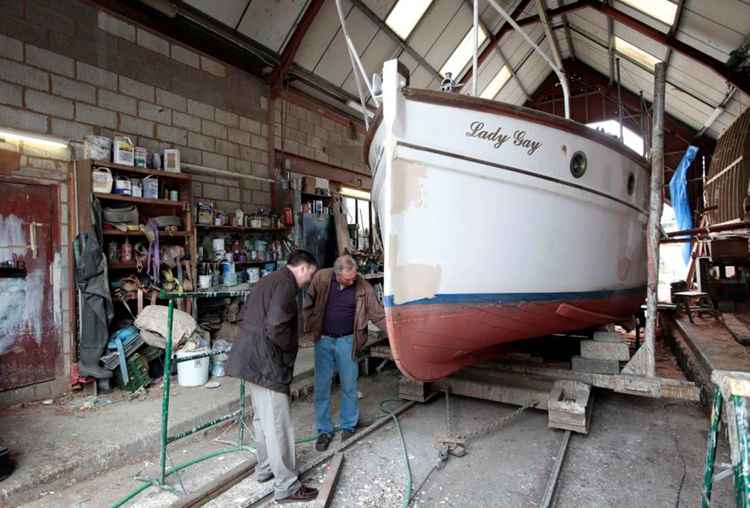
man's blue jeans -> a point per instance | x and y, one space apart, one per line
333 354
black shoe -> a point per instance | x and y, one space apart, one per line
347 433
323 441
264 478
303 495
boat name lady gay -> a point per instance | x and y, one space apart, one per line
518 138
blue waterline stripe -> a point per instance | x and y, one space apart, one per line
475 298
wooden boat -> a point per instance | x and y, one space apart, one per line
499 223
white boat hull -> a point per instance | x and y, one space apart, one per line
488 236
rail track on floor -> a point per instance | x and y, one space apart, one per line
453 445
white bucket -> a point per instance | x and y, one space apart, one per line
192 372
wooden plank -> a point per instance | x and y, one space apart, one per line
217 486
138 171
325 493
656 387
142 201
737 328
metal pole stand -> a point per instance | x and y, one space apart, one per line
731 390
238 415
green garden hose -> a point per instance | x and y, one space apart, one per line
306 439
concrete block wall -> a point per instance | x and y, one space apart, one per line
68 69
309 133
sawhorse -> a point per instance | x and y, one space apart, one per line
731 390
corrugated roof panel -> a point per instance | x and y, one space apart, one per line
515 47
320 34
270 22
715 28
335 64
706 85
380 7
432 25
227 11
490 16
487 72
682 70
451 37
642 42
381 48
421 78
648 14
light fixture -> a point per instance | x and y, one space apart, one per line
7 134
354 193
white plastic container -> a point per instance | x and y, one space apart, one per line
192 372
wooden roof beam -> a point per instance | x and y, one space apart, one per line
568 37
290 50
673 29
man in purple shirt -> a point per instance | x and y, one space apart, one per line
338 305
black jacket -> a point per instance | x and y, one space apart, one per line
265 351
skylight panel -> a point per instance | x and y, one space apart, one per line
496 84
405 16
462 54
635 53
663 10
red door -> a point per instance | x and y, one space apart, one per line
30 319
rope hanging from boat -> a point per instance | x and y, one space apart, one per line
357 66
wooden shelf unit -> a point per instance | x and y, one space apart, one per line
117 232
239 229
147 208
131 170
142 201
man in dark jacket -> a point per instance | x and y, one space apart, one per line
264 355
338 305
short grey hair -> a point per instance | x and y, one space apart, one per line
344 264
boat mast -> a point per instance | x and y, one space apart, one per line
557 70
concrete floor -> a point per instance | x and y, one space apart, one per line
636 455
69 440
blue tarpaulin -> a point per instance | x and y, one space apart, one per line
678 193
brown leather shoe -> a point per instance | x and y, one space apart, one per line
303 495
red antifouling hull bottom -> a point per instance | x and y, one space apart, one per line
430 341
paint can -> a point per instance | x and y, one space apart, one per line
253 275
97 148
218 245
122 186
151 187
101 180
136 187
192 372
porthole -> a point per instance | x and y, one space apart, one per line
578 164
631 184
